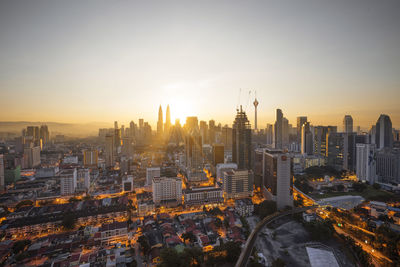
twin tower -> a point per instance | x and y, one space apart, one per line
161 127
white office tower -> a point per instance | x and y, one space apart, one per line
277 177
167 189
151 173
68 182
83 176
366 163
283 195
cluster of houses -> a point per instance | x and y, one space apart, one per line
197 229
91 246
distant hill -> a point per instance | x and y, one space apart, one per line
69 129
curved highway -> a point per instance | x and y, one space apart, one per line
251 240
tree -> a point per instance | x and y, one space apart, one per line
69 221
359 187
320 230
191 257
376 186
144 244
278 263
233 250
20 245
169 258
265 208
340 188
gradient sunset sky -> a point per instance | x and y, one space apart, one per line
83 61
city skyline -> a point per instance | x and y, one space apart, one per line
341 57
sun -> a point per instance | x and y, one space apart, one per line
180 110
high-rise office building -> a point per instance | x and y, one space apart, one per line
152 172
218 154
167 189
366 163
167 127
109 151
68 181
90 157
241 141
44 134
237 184
226 137
115 124
347 124
32 156
300 121
278 130
160 123
341 150
194 151
204 131
383 132
306 139
388 165
191 124
278 178
211 131
269 131
320 135
285 132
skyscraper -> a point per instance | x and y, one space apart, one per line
320 135
383 132
167 126
277 177
241 141
300 121
347 124
194 151
278 130
306 139
191 124
160 123
109 151
255 103
366 163
44 134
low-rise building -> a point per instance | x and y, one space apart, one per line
203 196
244 207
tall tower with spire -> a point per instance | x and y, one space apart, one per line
167 125
160 123
255 103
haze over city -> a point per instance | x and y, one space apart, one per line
101 61
199 133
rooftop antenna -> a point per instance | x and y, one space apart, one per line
248 99
237 106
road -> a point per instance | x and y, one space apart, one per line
367 248
251 240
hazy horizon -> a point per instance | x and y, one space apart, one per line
77 61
